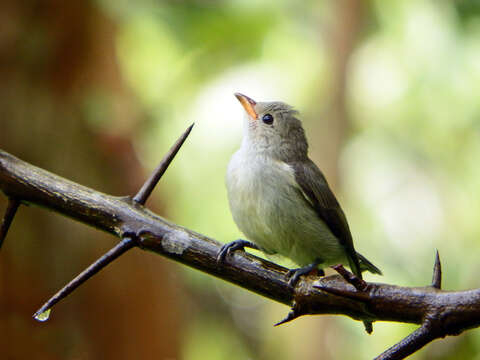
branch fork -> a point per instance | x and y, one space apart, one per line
128 239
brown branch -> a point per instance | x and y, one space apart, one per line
448 312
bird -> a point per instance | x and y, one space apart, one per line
281 201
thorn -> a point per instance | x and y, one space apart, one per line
437 272
350 294
368 327
292 315
125 244
357 283
12 208
147 188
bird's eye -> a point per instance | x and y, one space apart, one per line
267 119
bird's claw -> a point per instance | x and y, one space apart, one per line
224 251
294 274
227 249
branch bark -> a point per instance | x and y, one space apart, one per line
440 312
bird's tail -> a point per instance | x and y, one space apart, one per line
366 265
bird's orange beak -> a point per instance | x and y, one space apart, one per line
248 104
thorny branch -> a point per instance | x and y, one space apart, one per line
440 313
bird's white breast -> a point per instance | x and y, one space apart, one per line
253 182
269 208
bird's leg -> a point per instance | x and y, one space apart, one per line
294 274
233 246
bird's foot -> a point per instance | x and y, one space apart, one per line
239 244
294 274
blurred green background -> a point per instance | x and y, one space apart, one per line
97 91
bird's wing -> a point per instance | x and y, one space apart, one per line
319 196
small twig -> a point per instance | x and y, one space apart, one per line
437 272
147 188
125 244
12 208
412 343
351 278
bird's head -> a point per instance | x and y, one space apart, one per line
272 128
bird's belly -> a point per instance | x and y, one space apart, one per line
300 234
272 213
